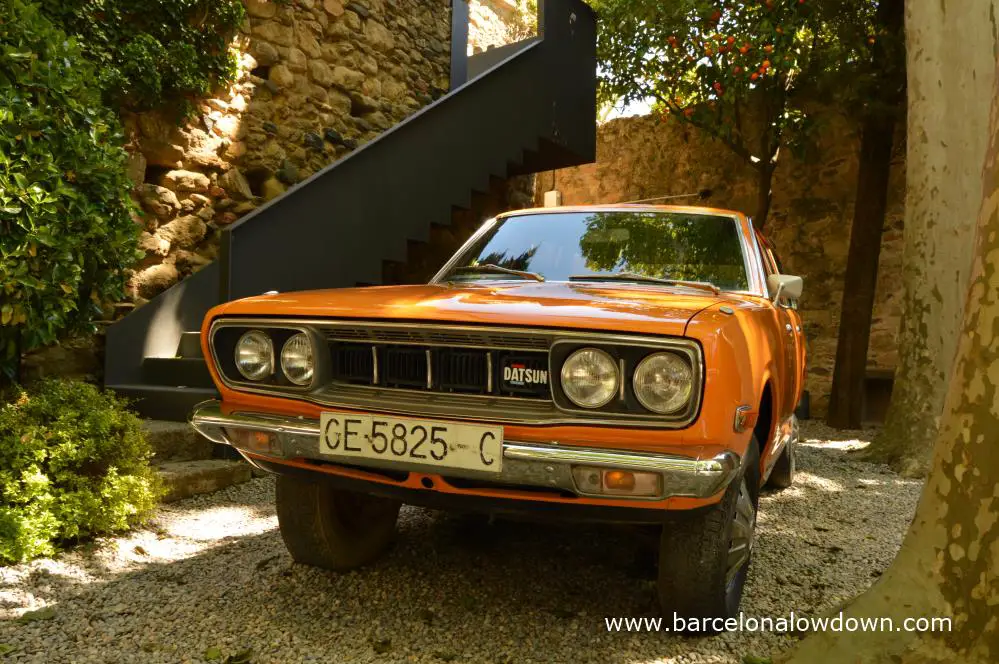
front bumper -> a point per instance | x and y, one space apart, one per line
547 466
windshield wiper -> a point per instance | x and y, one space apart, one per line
643 278
498 269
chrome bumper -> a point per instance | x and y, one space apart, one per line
524 464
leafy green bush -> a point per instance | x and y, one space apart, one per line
66 233
73 463
153 53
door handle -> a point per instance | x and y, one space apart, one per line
788 327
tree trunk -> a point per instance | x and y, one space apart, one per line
861 279
764 187
951 68
949 559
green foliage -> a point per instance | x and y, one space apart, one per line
66 234
74 463
743 71
153 53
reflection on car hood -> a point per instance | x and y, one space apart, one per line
619 307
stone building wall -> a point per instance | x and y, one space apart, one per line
317 79
809 222
494 23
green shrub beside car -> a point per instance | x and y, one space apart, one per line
74 463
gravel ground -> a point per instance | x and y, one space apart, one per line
210 578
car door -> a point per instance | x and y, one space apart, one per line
790 334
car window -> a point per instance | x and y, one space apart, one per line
562 245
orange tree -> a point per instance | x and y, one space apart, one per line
735 70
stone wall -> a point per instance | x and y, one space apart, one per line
317 79
494 23
809 223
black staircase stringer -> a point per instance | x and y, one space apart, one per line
533 110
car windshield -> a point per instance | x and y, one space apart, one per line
608 245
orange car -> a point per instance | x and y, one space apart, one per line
614 363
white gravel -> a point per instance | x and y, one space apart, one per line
211 574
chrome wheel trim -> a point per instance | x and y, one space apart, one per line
743 533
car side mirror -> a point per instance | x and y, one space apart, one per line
784 284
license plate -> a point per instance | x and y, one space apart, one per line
411 441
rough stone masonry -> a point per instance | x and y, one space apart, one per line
317 79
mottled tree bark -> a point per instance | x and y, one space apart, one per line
951 64
949 561
861 278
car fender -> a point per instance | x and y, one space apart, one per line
739 344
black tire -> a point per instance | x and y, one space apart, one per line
333 529
782 475
694 557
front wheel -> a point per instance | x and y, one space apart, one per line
333 529
703 561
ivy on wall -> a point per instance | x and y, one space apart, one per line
66 232
68 69
153 53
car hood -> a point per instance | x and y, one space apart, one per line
640 308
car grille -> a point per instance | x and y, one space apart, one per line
463 366
463 370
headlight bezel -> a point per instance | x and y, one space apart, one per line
625 408
642 400
312 359
615 369
225 333
268 368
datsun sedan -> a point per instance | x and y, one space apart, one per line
622 363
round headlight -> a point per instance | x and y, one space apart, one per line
255 355
663 382
590 378
297 360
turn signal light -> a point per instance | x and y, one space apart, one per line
617 482
260 442
620 480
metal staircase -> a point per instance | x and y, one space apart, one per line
525 108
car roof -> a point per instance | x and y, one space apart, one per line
624 207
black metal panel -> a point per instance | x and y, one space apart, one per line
459 42
186 371
164 402
190 345
155 329
486 60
